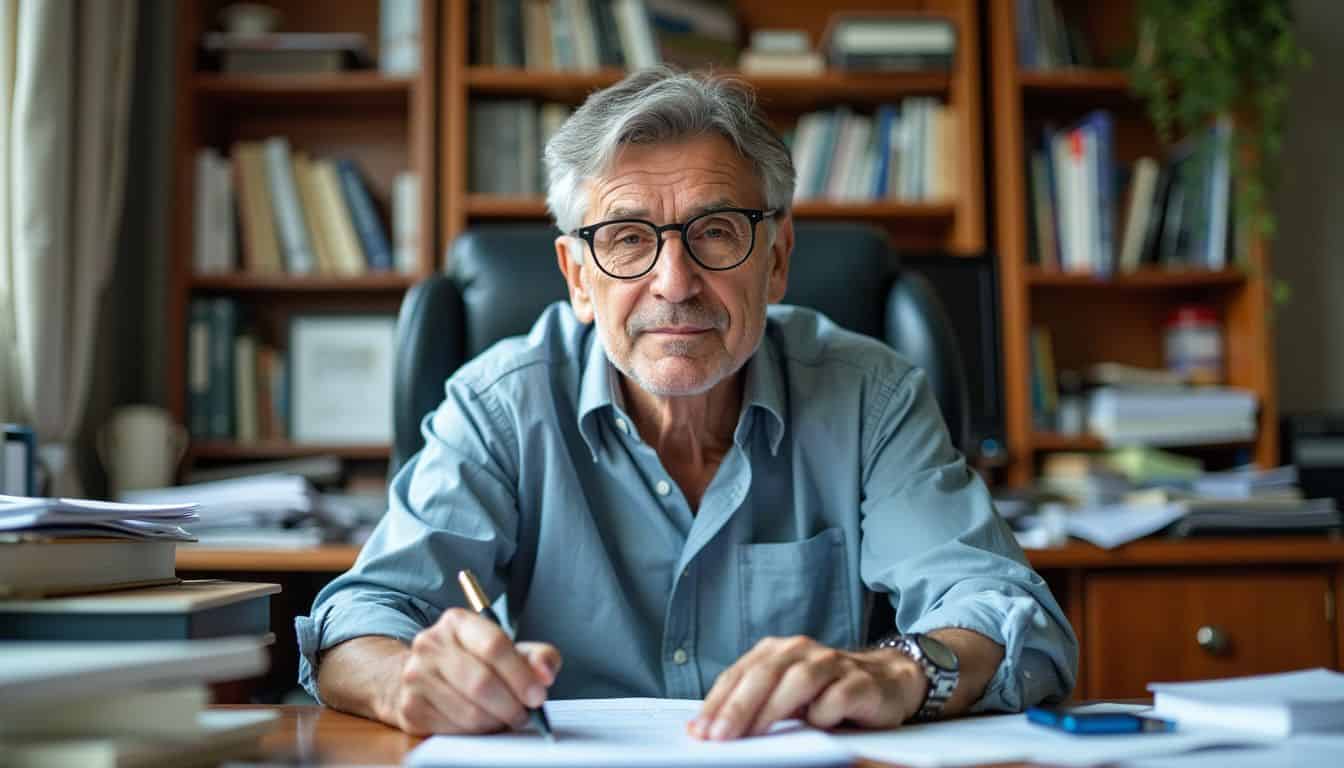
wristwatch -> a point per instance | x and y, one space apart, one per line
940 666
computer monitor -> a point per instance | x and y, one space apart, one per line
968 287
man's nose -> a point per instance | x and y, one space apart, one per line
676 276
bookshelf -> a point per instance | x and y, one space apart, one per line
1092 318
955 225
386 123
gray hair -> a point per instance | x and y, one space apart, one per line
657 105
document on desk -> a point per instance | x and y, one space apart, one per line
642 733
1011 738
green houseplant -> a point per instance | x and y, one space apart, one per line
1198 59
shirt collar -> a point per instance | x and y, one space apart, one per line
763 390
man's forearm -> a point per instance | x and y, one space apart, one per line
978 657
359 675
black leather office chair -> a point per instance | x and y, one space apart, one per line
503 276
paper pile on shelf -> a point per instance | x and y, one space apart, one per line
270 510
70 518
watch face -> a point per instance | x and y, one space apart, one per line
941 656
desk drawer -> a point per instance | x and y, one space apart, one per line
1189 624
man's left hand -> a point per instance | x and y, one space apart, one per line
797 677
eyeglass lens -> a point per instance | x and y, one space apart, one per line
718 240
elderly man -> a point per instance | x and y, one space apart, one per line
680 491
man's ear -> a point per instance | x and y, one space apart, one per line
780 252
572 266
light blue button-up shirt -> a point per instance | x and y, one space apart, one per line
840 478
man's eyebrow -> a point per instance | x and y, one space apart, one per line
621 211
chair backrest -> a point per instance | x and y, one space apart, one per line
504 275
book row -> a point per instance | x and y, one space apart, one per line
1177 215
237 387
268 209
902 152
585 35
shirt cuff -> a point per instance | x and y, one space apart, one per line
335 623
1026 676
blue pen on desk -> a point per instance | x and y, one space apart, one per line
479 603
1083 722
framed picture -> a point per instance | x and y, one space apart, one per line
340 378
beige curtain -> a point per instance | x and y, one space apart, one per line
66 102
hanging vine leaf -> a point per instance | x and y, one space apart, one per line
1198 59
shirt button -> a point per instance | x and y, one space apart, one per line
623 426
663 487
679 656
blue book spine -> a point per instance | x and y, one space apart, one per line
885 115
370 229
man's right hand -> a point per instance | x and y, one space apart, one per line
464 675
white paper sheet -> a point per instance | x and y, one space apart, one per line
1308 751
628 732
1011 738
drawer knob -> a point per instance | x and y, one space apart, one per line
1212 639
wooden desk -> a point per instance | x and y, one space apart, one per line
320 736
1153 610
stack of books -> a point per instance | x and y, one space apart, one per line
780 52
107 654
119 704
1178 416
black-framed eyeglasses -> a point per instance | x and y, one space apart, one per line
718 240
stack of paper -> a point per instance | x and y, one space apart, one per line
652 732
267 510
1249 482
1310 701
65 518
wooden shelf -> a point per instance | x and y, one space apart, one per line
487 206
796 90
1185 553
228 450
1143 278
1190 553
326 559
1054 441
284 283
358 86
1082 81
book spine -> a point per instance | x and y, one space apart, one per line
245 388
288 210
198 369
370 229
224 323
406 221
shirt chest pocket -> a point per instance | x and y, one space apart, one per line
796 588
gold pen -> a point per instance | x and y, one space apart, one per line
479 603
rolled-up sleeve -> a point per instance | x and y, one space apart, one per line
932 540
452 506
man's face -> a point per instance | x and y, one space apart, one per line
680 329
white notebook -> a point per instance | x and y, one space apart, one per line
628 732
